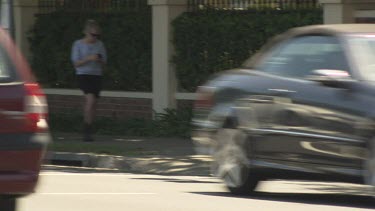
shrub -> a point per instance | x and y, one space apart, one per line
210 41
126 35
206 42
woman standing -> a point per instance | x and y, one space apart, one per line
88 57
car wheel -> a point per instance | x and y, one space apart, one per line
370 167
231 161
7 203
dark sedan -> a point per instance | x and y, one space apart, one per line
302 108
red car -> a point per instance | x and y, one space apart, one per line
23 125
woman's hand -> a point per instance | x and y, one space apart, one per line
90 58
93 58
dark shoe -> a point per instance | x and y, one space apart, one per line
88 139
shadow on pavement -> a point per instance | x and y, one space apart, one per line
341 200
333 188
328 194
174 180
165 165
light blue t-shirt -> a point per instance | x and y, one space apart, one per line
81 50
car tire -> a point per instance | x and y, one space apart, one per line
231 161
7 203
370 167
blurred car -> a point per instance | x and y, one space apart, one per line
301 108
23 125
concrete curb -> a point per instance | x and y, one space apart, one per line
177 165
86 160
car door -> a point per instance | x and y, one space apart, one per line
309 122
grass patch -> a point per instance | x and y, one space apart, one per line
73 143
66 129
172 123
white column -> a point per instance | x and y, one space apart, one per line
5 13
344 11
337 11
24 19
163 71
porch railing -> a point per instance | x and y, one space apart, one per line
195 5
46 6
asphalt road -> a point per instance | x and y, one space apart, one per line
66 189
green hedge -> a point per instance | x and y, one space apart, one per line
127 36
210 41
206 42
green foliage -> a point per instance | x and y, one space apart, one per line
172 123
214 40
206 42
126 35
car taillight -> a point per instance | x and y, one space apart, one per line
205 97
36 108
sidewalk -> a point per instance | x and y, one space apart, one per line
168 156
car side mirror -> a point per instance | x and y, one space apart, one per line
332 78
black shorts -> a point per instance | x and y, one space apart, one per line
90 84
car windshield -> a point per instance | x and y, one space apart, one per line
363 47
6 67
292 59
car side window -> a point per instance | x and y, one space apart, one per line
6 67
299 56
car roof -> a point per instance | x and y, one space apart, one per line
333 29
328 29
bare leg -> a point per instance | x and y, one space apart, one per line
88 115
89 108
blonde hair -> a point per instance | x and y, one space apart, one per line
91 24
